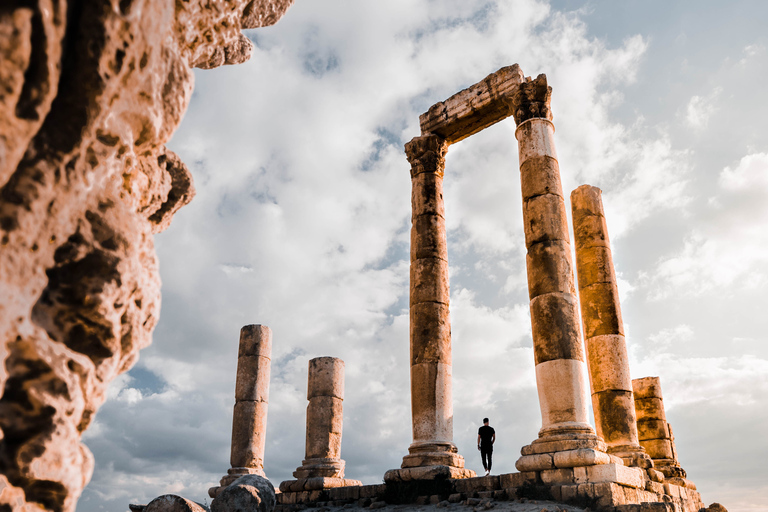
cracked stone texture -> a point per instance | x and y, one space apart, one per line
91 91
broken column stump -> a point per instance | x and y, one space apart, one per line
322 467
249 420
609 377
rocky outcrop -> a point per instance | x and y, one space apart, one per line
92 90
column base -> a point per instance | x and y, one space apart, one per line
430 460
565 445
326 468
316 484
232 475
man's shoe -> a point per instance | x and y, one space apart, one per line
487 472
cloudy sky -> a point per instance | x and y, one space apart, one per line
302 216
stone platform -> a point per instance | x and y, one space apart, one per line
604 487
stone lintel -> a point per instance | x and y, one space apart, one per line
475 108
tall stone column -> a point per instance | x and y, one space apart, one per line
432 453
566 438
249 420
612 400
654 433
322 466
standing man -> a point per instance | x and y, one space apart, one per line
486 436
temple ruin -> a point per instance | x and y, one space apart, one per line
91 95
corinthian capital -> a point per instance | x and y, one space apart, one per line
426 154
531 100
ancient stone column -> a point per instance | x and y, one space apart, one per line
566 438
612 400
322 466
432 453
249 421
654 433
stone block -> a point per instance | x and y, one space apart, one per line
369 491
324 428
430 333
431 392
249 426
549 268
632 477
172 503
580 457
429 281
647 387
485 495
500 495
594 265
255 340
428 238
544 219
654 487
427 195
649 428
540 175
455 498
557 476
252 382
562 389
478 484
590 230
555 328
681 482
568 493
672 490
536 462
615 418
539 446
514 480
608 364
600 310
325 378
658 448
434 499
536 137
655 475
556 491
649 408
475 108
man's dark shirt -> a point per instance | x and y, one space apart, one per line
486 433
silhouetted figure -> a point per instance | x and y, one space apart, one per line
486 436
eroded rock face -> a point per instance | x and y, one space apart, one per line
91 91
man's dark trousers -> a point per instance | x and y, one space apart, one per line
486 453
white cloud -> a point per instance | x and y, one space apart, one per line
731 248
701 108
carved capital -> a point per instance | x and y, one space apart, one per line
426 154
531 100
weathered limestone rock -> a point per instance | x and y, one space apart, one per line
558 350
85 181
249 421
173 503
249 492
654 433
322 466
612 400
